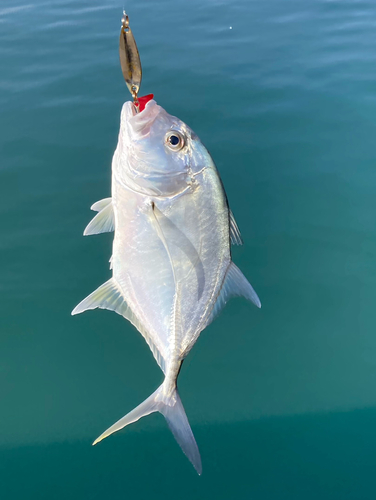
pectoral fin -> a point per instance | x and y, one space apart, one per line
235 284
170 234
103 222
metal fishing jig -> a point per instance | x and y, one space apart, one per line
130 60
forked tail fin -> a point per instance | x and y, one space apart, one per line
176 418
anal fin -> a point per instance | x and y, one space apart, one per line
109 296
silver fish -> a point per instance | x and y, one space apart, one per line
172 271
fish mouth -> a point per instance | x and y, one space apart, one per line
139 124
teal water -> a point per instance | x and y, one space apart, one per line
282 400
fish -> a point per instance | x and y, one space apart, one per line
172 270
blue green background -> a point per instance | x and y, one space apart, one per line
282 400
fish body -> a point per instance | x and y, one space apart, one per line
171 261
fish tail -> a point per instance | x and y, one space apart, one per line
172 409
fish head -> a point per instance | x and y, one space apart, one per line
157 154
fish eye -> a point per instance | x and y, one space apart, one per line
174 140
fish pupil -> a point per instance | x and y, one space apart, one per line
174 140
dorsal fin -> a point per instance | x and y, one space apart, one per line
235 284
235 236
103 222
109 296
